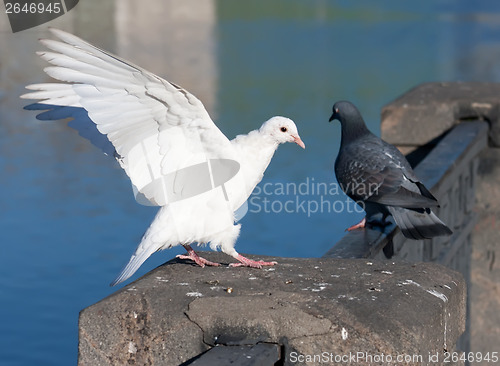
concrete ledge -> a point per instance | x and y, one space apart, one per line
428 110
308 306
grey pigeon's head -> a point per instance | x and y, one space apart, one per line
345 111
351 120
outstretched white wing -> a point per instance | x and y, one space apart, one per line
157 128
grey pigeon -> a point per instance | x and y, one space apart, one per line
379 178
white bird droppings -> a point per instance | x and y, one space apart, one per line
433 292
132 348
386 272
438 294
410 282
344 334
321 288
481 105
161 279
324 284
348 297
194 294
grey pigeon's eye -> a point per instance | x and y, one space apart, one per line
283 129
336 110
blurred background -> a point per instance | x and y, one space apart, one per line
68 218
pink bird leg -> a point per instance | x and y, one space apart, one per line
245 262
202 262
359 225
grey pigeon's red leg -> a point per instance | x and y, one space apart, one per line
202 262
359 225
245 262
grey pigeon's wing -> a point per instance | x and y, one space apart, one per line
371 170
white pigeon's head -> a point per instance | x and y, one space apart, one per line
282 129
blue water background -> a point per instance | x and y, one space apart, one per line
68 219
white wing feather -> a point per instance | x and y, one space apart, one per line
155 126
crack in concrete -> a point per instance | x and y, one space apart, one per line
199 326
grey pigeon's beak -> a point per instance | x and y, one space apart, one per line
335 114
299 142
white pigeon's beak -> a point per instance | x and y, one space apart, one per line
299 142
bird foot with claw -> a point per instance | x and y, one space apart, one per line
202 262
359 225
245 262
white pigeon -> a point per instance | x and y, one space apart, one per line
164 139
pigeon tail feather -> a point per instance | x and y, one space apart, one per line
418 225
137 259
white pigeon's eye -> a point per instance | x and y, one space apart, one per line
283 129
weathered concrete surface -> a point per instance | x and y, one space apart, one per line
485 272
308 306
428 110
